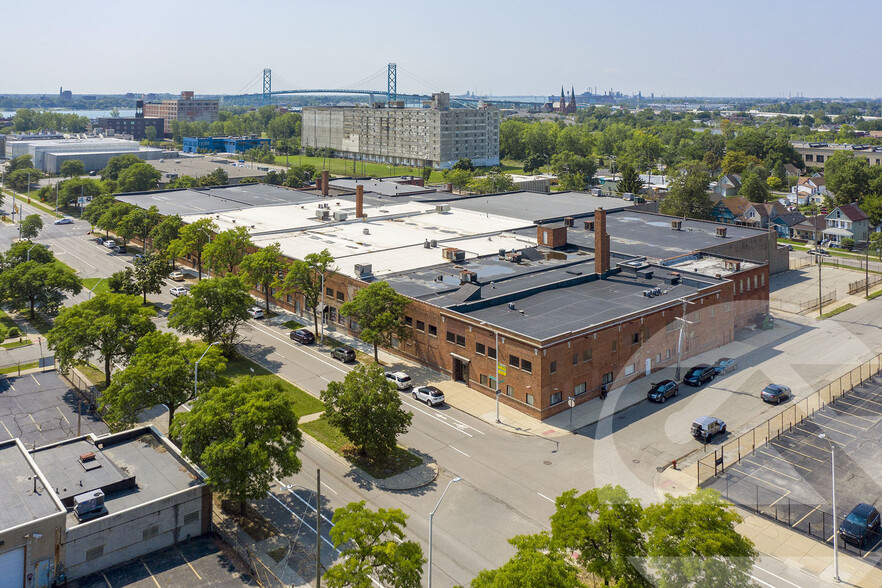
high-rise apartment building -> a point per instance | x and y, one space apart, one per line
186 108
435 136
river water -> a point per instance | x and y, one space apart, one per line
87 113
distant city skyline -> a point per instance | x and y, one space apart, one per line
688 48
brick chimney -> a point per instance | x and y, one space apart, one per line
601 243
326 177
359 201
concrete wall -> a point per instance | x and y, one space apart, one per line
763 247
122 536
39 553
94 161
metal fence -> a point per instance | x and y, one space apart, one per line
44 364
800 306
225 531
731 452
861 285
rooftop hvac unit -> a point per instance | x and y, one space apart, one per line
466 276
363 269
321 214
459 255
629 196
442 208
427 245
647 293
340 215
433 243
676 225
89 505
513 256
595 191
366 231
501 253
656 291
721 232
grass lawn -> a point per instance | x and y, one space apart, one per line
94 375
89 284
39 323
6 321
400 461
14 344
874 295
15 368
838 310
292 324
304 404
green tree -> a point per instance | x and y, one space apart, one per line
687 193
216 178
165 233
150 134
139 222
20 179
601 526
161 371
72 167
113 216
493 183
192 240
511 139
33 284
379 310
21 162
214 311
182 182
95 209
459 178
227 249
304 277
115 165
574 171
630 181
735 162
847 176
426 173
754 188
465 164
366 407
107 325
31 226
644 149
243 436
536 565
692 541
876 244
541 139
533 163
23 251
138 177
146 276
263 268
372 546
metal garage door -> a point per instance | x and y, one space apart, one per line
12 568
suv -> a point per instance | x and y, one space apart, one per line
861 524
704 428
429 394
302 336
109 243
700 374
344 354
663 390
775 393
256 312
400 379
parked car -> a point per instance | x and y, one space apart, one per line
100 240
120 249
704 428
724 365
861 526
429 394
775 393
661 391
344 354
137 257
93 173
109 243
65 220
176 276
699 374
818 251
179 291
256 312
302 336
401 380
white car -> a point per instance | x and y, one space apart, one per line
429 394
179 291
64 221
401 380
256 312
176 276
110 243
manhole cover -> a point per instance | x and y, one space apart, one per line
635 460
546 462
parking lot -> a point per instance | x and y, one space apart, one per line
194 563
788 290
790 478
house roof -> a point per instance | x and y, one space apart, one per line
737 205
791 218
852 211
812 223
732 180
791 169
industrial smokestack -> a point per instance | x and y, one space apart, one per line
601 243
326 176
359 200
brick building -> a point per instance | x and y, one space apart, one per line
186 108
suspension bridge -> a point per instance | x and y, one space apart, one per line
360 88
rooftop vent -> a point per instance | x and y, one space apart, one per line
453 254
366 231
442 207
676 225
363 269
514 256
468 277
568 221
511 306
87 456
589 225
427 245
721 232
433 243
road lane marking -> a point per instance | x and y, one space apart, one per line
754 578
776 576
62 415
155 581
545 497
329 488
417 408
300 347
302 520
35 379
458 451
65 251
106 580
188 563
300 498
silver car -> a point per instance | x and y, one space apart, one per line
429 394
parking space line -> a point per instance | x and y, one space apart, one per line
821 447
35 422
188 562
155 581
35 379
62 415
858 407
780 498
826 428
796 465
807 515
857 416
797 452
872 549
766 467
11 436
873 399
103 575
760 479
843 421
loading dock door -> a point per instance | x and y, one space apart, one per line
12 568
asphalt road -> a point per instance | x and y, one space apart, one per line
509 481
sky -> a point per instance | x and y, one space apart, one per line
674 48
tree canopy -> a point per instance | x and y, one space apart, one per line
38 283
687 193
263 268
72 167
192 240
214 310
227 250
138 177
379 310
31 226
304 277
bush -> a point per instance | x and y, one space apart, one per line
3 333
848 243
13 332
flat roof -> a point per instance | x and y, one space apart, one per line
200 166
202 201
21 504
535 206
710 265
378 186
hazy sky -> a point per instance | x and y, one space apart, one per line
678 47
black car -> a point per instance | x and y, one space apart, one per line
344 354
303 336
700 374
861 526
663 390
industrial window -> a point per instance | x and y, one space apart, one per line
460 340
741 286
433 330
480 349
527 366
530 400
420 326
491 352
809 157
820 159
339 295
555 398
514 360
586 355
94 553
191 517
635 338
763 280
658 358
288 298
668 354
552 368
755 281
483 379
451 337
408 321
150 532
748 283
629 369
509 390
575 358
615 346
329 292
607 378
580 389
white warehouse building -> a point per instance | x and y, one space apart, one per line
94 152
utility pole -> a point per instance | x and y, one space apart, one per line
318 528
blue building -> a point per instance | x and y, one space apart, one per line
225 144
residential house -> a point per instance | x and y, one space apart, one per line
785 223
759 214
730 210
810 229
791 170
847 221
729 185
809 190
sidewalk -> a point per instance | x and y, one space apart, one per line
780 542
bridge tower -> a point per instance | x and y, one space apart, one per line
267 87
392 83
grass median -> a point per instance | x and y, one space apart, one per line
304 403
838 310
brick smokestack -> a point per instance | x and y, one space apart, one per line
326 177
359 201
601 243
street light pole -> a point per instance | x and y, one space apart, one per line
683 324
431 517
92 291
835 530
498 386
322 313
29 251
196 370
